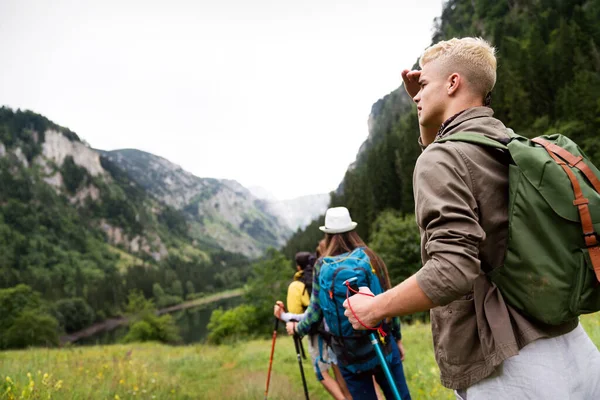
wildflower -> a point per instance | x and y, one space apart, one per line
58 385
122 381
117 397
9 380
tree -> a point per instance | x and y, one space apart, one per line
74 314
32 328
146 325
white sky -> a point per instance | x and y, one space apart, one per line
271 93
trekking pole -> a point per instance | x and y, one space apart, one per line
386 369
302 348
351 284
271 358
298 344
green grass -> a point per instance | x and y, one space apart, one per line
146 371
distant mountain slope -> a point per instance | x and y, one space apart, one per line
221 212
300 211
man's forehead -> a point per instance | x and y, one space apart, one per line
430 70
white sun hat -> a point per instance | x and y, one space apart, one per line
337 220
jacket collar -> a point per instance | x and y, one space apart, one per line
451 124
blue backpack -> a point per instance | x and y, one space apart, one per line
352 348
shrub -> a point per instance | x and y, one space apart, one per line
146 325
32 328
74 314
239 322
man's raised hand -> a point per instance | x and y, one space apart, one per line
411 82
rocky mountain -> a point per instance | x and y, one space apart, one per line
220 212
40 157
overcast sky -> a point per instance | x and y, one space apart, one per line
270 93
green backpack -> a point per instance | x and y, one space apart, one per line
552 267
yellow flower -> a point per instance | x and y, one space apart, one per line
135 388
29 375
117 397
122 381
8 379
58 385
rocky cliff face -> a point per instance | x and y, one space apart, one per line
57 147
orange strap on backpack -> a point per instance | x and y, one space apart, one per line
565 159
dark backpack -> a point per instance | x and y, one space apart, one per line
307 276
552 266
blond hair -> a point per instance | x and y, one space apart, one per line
474 58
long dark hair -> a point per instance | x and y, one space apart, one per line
306 262
340 243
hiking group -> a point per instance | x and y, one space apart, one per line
509 248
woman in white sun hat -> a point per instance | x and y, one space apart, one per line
342 245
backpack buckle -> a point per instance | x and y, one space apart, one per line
591 239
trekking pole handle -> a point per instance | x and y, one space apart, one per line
352 284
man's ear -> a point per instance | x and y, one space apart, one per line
454 81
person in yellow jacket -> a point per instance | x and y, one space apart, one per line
298 299
298 295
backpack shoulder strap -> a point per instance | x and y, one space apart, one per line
475 138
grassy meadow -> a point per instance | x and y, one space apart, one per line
155 371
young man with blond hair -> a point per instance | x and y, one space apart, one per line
484 347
